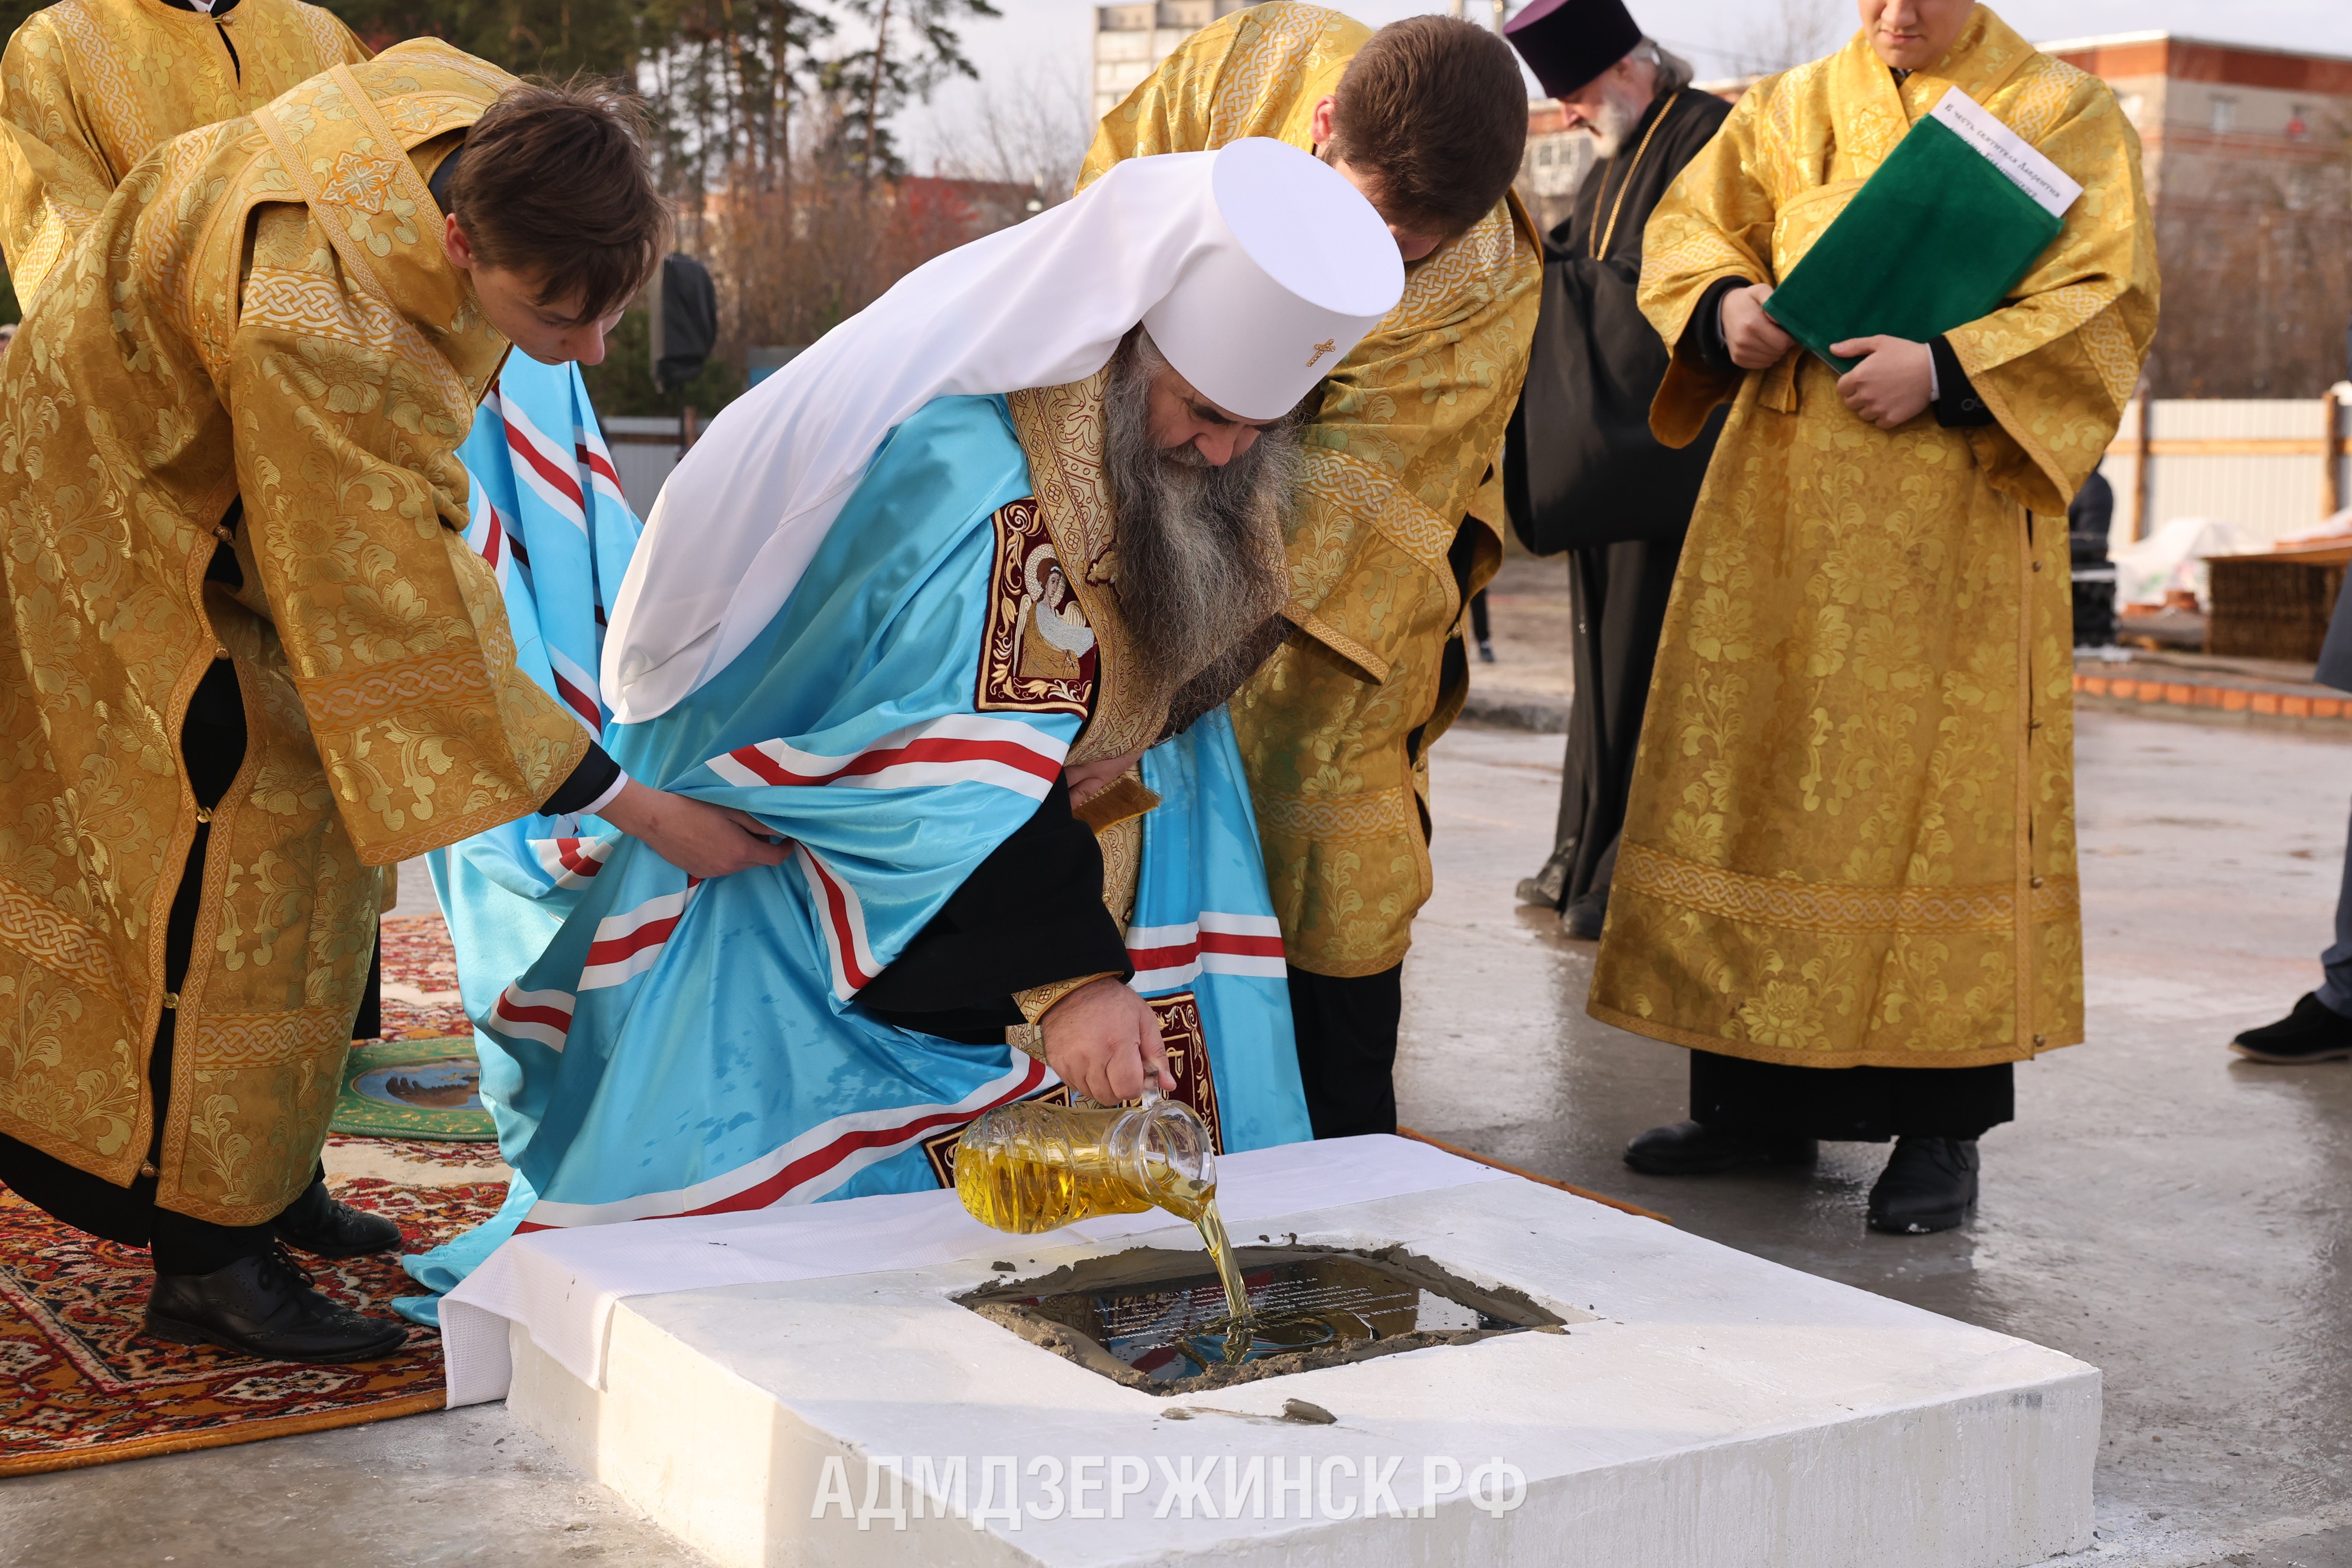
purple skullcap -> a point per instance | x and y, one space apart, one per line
1567 42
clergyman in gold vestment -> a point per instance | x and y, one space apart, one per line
249 658
87 88
1385 551
1850 855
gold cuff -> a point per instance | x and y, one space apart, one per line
1124 797
1039 1000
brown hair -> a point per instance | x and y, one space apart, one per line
1434 113
555 184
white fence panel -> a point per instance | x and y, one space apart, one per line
2262 463
644 452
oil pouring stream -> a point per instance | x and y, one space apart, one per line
1026 1168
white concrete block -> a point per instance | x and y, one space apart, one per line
1719 1411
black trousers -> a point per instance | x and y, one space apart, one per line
1862 1105
212 741
1347 1048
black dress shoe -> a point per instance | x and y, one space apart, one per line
1929 1183
1584 917
325 1228
265 1307
2314 1032
1695 1149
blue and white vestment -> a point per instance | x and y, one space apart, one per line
655 1046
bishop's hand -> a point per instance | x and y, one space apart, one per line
698 837
1103 1040
1893 384
1755 339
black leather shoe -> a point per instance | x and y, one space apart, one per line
1695 1149
1929 1183
2314 1032
325 1228
265 1307
1584 917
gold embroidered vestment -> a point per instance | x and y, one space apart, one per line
263 314
1335 731
1851 839
87 88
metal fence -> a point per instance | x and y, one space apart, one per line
2273 466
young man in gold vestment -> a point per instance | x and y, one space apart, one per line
1428 119
1847 879
249 657
87 88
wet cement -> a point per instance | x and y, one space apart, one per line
2173 1217
1062 1312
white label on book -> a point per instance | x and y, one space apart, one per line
2005 150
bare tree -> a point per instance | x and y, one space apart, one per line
1032 131
1784 32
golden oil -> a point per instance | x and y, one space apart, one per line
1028 1168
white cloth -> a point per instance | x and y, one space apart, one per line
563 1285
2173 558
1040 304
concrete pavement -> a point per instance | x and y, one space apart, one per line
2161 1209
2173 1217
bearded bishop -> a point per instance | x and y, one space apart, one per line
952 604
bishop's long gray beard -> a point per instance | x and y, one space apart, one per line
1200 563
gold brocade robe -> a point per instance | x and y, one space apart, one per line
263 313
1335 731
1852 839
87 88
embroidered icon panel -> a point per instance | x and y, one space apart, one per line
1187 1044
1039 654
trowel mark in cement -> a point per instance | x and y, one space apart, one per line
1152 1320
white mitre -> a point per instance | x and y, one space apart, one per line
1255 268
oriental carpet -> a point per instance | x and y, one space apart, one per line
81 1384
420 981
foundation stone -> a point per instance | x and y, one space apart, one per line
1695 1406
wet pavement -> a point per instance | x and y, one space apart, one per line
2175 1218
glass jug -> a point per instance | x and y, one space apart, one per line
1027 1167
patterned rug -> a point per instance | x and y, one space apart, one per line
420 981
466 1156
81 1384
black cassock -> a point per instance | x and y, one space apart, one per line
1582 473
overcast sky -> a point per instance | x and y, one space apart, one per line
1040 47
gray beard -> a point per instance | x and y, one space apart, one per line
1201 561
1612 127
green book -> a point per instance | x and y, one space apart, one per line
1958 213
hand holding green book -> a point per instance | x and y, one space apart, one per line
1958 213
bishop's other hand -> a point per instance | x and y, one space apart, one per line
1103 1040
1088 779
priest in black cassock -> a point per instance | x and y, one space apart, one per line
1582 472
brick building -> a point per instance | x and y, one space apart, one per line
2249 160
